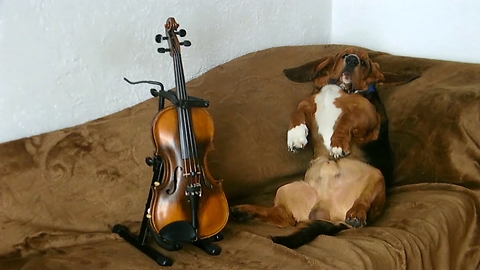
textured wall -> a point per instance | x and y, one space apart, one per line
438 29
62 62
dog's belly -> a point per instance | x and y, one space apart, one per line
338 186
327 113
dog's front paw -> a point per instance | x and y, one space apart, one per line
339 145
356 217
297 137
337 153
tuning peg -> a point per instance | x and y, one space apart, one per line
162 50
186 43
159 38
181 33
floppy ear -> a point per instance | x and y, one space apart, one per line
397 78
401 75
310 70
375 75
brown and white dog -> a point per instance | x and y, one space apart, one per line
341 188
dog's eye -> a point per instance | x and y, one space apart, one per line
345 55
363 63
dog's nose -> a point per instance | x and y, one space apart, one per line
352 60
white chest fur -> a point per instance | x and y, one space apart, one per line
327 113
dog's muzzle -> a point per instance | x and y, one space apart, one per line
352 60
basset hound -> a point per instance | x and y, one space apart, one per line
344 186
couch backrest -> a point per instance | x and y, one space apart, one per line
434 121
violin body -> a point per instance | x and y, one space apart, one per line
169 202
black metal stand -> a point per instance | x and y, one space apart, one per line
171 236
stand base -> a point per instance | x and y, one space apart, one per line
204 244
208 247
123 232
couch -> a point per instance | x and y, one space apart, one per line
61 192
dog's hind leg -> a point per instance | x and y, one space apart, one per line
293 203
277 215
370 201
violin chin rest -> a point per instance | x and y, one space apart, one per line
178 231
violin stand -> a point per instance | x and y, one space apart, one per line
171 236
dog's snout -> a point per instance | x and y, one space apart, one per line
352 60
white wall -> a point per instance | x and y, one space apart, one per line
62 61
438 29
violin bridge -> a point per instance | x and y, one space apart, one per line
192 174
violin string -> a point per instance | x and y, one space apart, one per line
181 117
190 135
190 143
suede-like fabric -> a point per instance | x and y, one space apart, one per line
61 192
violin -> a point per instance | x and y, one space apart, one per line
187 202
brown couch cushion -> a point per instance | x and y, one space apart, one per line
434 122
425 226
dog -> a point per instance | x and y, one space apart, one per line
361 76
344 186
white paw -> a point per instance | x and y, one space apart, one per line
336 153
297 137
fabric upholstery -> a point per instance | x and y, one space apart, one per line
61 192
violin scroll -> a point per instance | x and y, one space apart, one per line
171 35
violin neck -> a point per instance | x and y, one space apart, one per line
187 137
179 76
